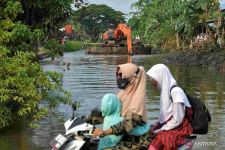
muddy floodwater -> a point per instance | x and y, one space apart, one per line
89 77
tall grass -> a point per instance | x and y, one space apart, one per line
71 46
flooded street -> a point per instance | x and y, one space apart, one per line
89 77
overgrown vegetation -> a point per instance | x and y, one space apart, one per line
71 46
24 85
54 48
175 24
26 90
47 15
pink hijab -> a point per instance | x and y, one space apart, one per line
132 97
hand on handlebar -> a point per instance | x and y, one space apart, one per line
98 132
151 132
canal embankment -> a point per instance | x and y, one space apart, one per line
213 59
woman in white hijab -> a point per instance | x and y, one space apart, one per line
175 111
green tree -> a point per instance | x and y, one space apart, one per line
26 90
79 30
96 19
172 23
209 12
47 14
134 23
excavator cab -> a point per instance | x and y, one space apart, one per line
108 35
120 37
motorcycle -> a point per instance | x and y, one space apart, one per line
78 135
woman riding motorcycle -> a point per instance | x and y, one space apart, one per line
132 80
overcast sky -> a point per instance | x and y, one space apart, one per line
121 5
124 5
222 4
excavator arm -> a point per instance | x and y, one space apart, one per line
124 30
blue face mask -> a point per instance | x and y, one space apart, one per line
122 83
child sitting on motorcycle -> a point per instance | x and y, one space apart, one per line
132 80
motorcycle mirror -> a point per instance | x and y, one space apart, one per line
75 105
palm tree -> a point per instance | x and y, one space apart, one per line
173 22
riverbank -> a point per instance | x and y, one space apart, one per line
72 46
53 49
210 59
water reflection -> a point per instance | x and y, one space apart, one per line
89 77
